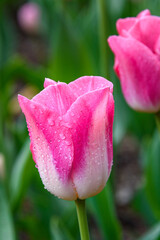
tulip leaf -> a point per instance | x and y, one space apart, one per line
17 67
6 223
103 209
21 174
153 234
141 204
151 155
59 230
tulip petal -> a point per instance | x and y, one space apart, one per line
157 47
109 134
49 82
147 31
116 66
125 24
92 139
51 146
86 84
136 63
144 13
58 98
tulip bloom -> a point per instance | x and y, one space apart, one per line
137 60
29 17
70 128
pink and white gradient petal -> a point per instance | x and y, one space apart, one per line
54 164
147 31
123 25
49 82
144 13
134 69
90 131
86 84
109 130
57 97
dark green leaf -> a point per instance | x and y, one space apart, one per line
21 174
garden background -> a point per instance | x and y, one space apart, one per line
69 41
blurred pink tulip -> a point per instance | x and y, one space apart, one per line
70 128
137 60
29 17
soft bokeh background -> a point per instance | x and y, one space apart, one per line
63 40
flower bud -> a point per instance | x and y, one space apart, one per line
29 17
70 128
137 60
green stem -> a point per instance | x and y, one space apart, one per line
158 120
82 219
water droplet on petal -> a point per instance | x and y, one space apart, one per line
68 143
62 136
51 122
33 107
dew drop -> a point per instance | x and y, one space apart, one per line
62 136
68 143
51 122
33 107
36 166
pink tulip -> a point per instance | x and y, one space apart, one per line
70 128
137 60
29 17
